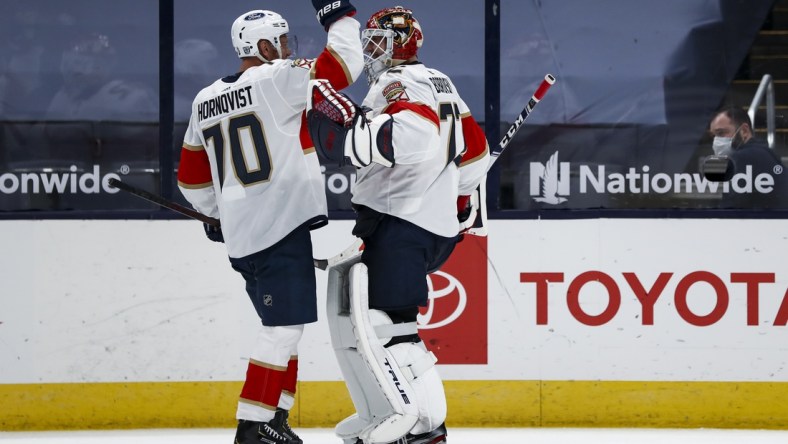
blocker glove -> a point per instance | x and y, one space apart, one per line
329 11
467 209
213 233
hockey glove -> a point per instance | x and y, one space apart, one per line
466 212
329 11
213 233
341 129
472 212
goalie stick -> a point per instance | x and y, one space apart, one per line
158 200
479 227
548 81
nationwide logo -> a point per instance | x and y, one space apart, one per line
550 182
48 181
553 187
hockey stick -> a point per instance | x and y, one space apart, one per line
548 81
158 200
353 249
479 227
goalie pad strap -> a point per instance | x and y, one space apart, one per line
420 366
393 330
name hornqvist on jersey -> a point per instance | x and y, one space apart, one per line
225 103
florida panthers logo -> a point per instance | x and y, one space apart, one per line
302 63
395 91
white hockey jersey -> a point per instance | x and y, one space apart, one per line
440 151
247 158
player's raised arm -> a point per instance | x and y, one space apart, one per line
341 61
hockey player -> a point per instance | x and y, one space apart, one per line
248 160
420 156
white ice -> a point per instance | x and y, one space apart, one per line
456 436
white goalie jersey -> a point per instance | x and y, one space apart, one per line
440 151
247 158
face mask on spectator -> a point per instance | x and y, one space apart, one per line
723 146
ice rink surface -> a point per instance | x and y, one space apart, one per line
456 436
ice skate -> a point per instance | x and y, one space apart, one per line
276 431
437 436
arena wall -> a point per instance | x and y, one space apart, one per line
571 323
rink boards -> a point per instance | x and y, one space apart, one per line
597 322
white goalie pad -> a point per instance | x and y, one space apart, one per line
418 365
369 401
396 390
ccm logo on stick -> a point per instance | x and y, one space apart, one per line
648 296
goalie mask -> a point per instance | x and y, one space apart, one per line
250 28
392 36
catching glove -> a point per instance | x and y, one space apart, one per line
340 129
329 11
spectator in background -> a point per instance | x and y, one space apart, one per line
90 92
734 137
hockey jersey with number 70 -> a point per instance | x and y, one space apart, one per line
247 158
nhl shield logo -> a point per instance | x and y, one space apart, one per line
268 300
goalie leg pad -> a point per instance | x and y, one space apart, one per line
381 364
382 415
418 365
368 398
